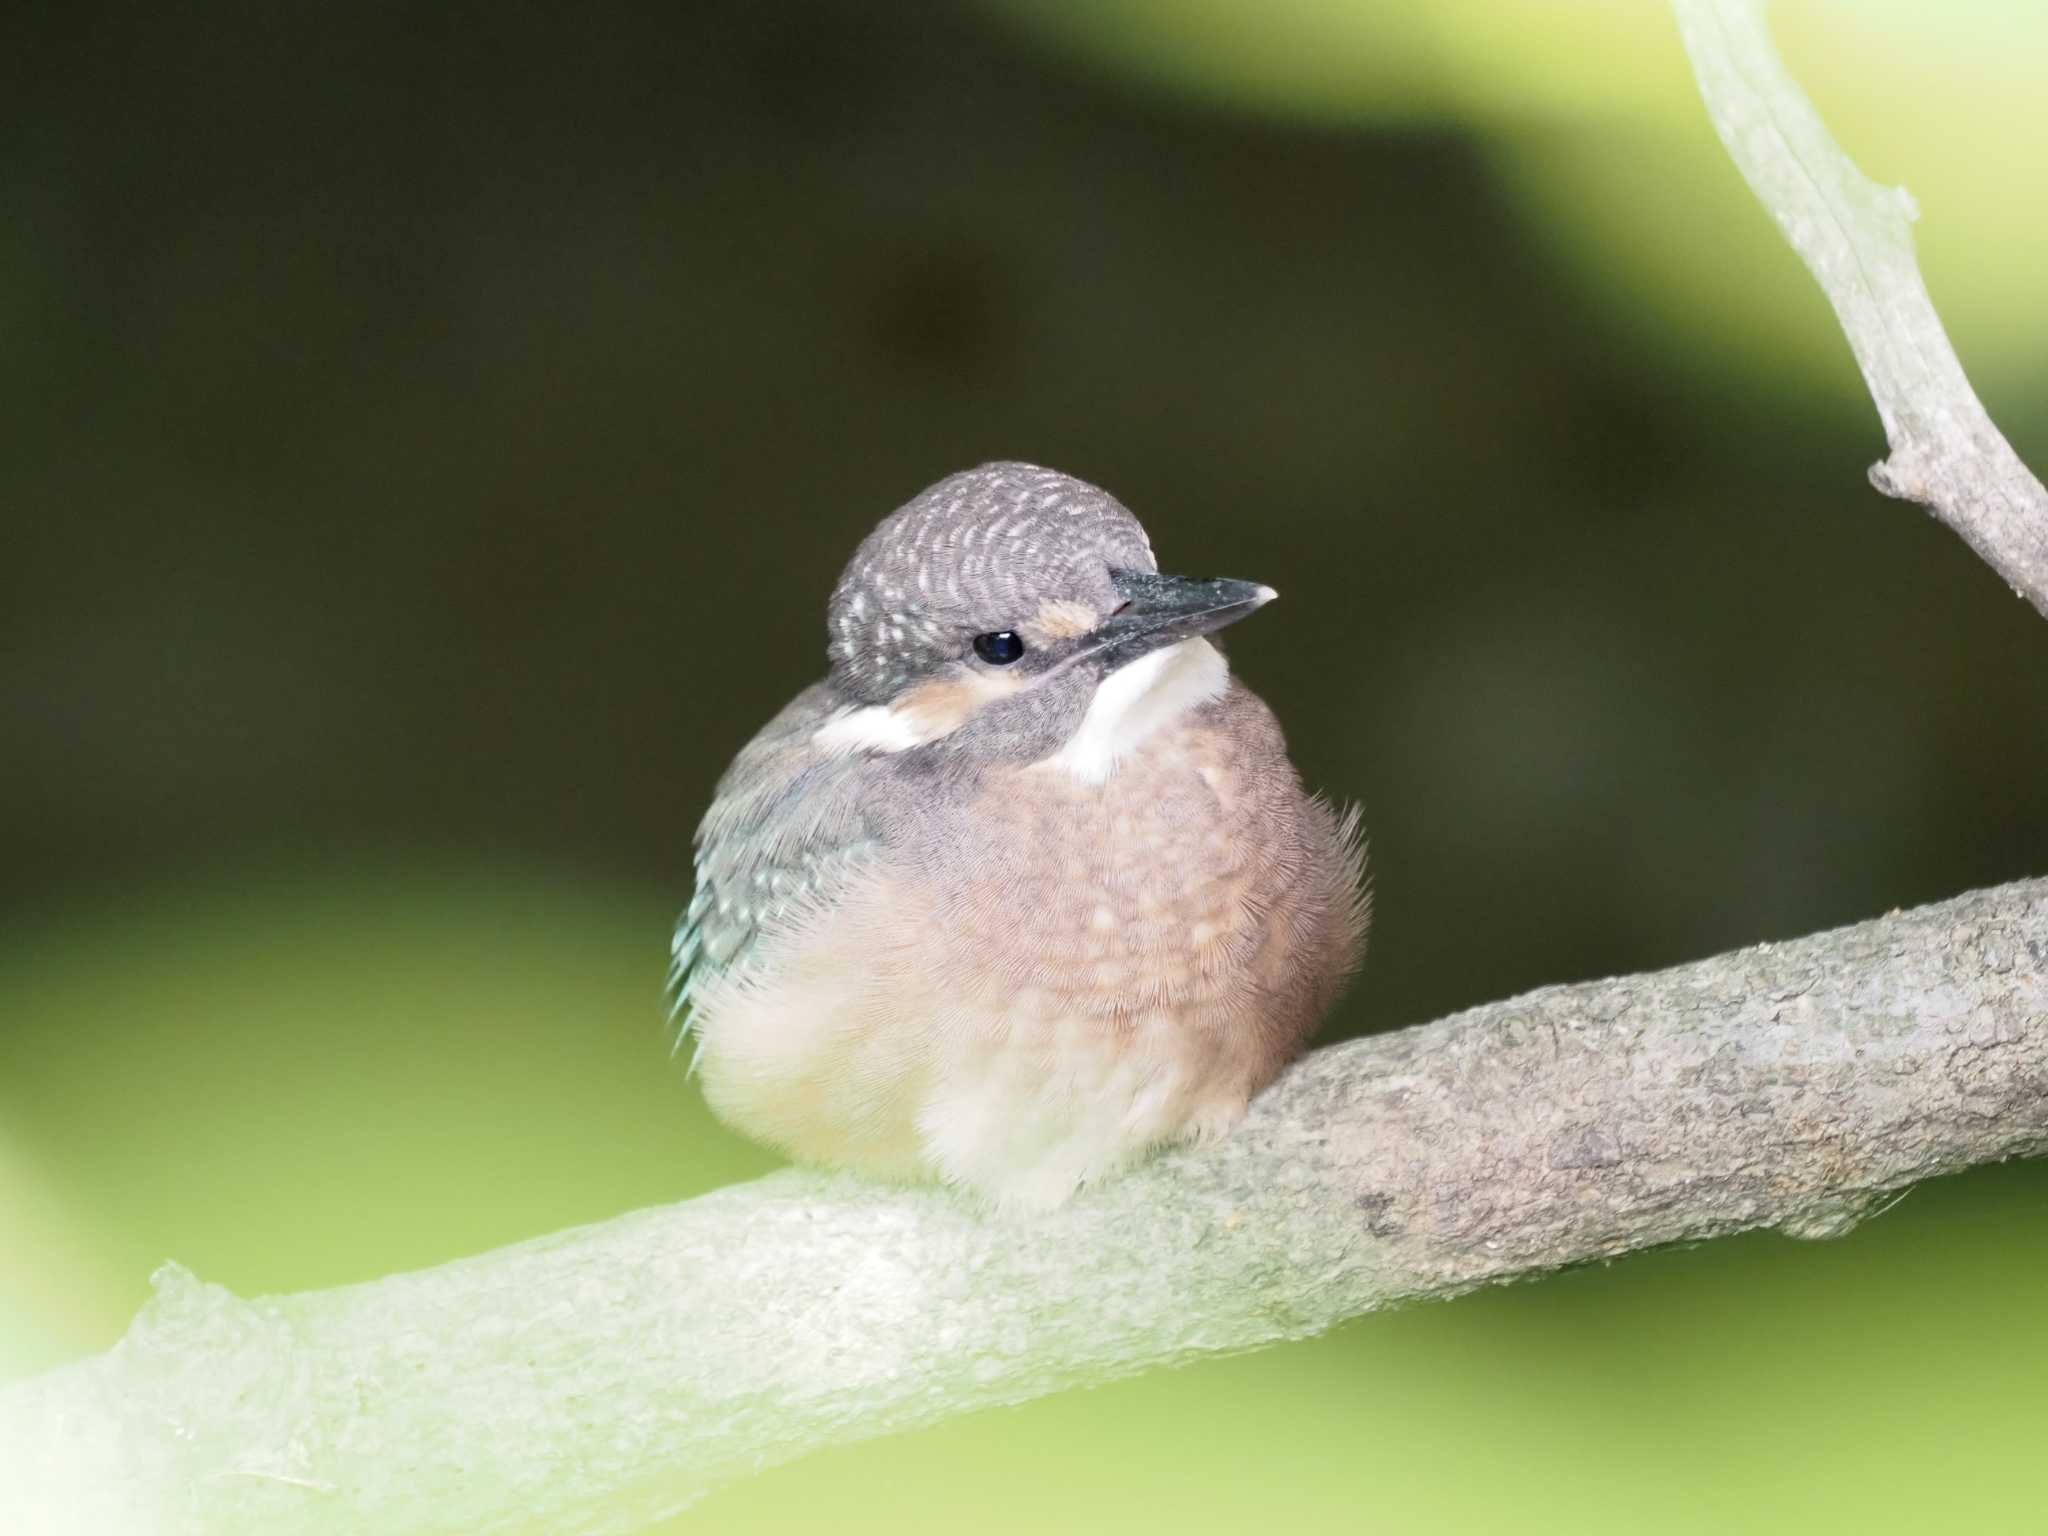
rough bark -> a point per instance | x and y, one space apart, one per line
596 1379
1855 236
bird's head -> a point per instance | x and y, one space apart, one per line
1016 612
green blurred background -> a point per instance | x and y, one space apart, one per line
430 437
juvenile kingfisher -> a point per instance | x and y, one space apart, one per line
1026 886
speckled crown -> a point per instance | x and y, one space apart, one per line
979 551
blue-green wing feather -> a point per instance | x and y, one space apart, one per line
787 826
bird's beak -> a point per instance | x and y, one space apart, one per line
1159 610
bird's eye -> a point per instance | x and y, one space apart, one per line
1000 648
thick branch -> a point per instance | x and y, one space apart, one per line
595 1379
1854 237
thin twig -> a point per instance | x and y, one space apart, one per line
1855 237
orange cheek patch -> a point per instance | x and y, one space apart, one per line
946 703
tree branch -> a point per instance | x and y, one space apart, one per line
1854 237
596 1379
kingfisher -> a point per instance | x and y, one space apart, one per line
1027 886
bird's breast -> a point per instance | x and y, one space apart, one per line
1161 889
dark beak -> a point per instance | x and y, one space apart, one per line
1159 610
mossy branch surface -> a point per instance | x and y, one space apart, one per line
597 1379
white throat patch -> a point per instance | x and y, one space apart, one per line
1137 699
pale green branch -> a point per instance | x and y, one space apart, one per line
596 1379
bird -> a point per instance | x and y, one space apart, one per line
1026 887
